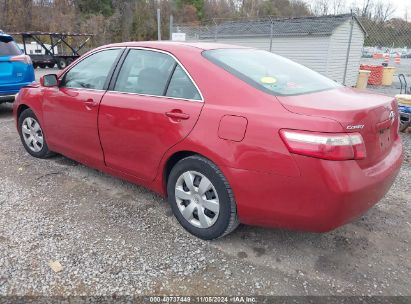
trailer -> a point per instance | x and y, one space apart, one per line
60 50
37 49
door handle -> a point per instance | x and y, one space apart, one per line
178 115
90 102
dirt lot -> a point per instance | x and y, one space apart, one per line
111 237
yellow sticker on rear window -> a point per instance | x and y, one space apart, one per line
268 80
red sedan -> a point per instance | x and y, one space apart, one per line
229 135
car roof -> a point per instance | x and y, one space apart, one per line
169 45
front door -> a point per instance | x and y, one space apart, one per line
71 110
153 105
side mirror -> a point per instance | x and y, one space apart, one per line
49 80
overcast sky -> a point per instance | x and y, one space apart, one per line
401 6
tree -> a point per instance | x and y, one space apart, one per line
383 11
122 20
198 5
95 7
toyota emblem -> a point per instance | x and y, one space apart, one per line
392 116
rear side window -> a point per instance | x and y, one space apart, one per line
9 48
181 86
145 72
154 73
268 72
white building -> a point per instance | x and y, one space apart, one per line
330 45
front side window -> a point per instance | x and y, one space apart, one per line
145 72
268 72
91 72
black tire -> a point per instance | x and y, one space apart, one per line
227 220
44 152
35 65
42 65
50 65
405 122
61 63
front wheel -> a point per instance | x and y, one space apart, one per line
32 135
201 198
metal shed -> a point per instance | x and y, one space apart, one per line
330 45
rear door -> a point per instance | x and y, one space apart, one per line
152 106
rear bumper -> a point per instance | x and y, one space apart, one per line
8 91
12 88
328 194
7 98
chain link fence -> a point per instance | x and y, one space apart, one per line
387 42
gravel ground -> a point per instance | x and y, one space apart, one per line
113 237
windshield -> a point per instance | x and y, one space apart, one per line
9 48
268 72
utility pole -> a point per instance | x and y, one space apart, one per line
171 27
158 25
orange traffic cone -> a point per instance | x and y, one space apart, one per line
387 58
397 59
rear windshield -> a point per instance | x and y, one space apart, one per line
9 48
268 72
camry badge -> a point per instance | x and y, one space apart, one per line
355 127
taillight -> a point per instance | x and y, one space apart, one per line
332 146
21 58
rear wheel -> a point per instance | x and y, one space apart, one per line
32 135
61 63
42 66
50 65
201 198
405 122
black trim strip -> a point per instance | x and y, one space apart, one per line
116 70
169 79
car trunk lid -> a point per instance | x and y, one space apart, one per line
10 72
373 116
6 69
